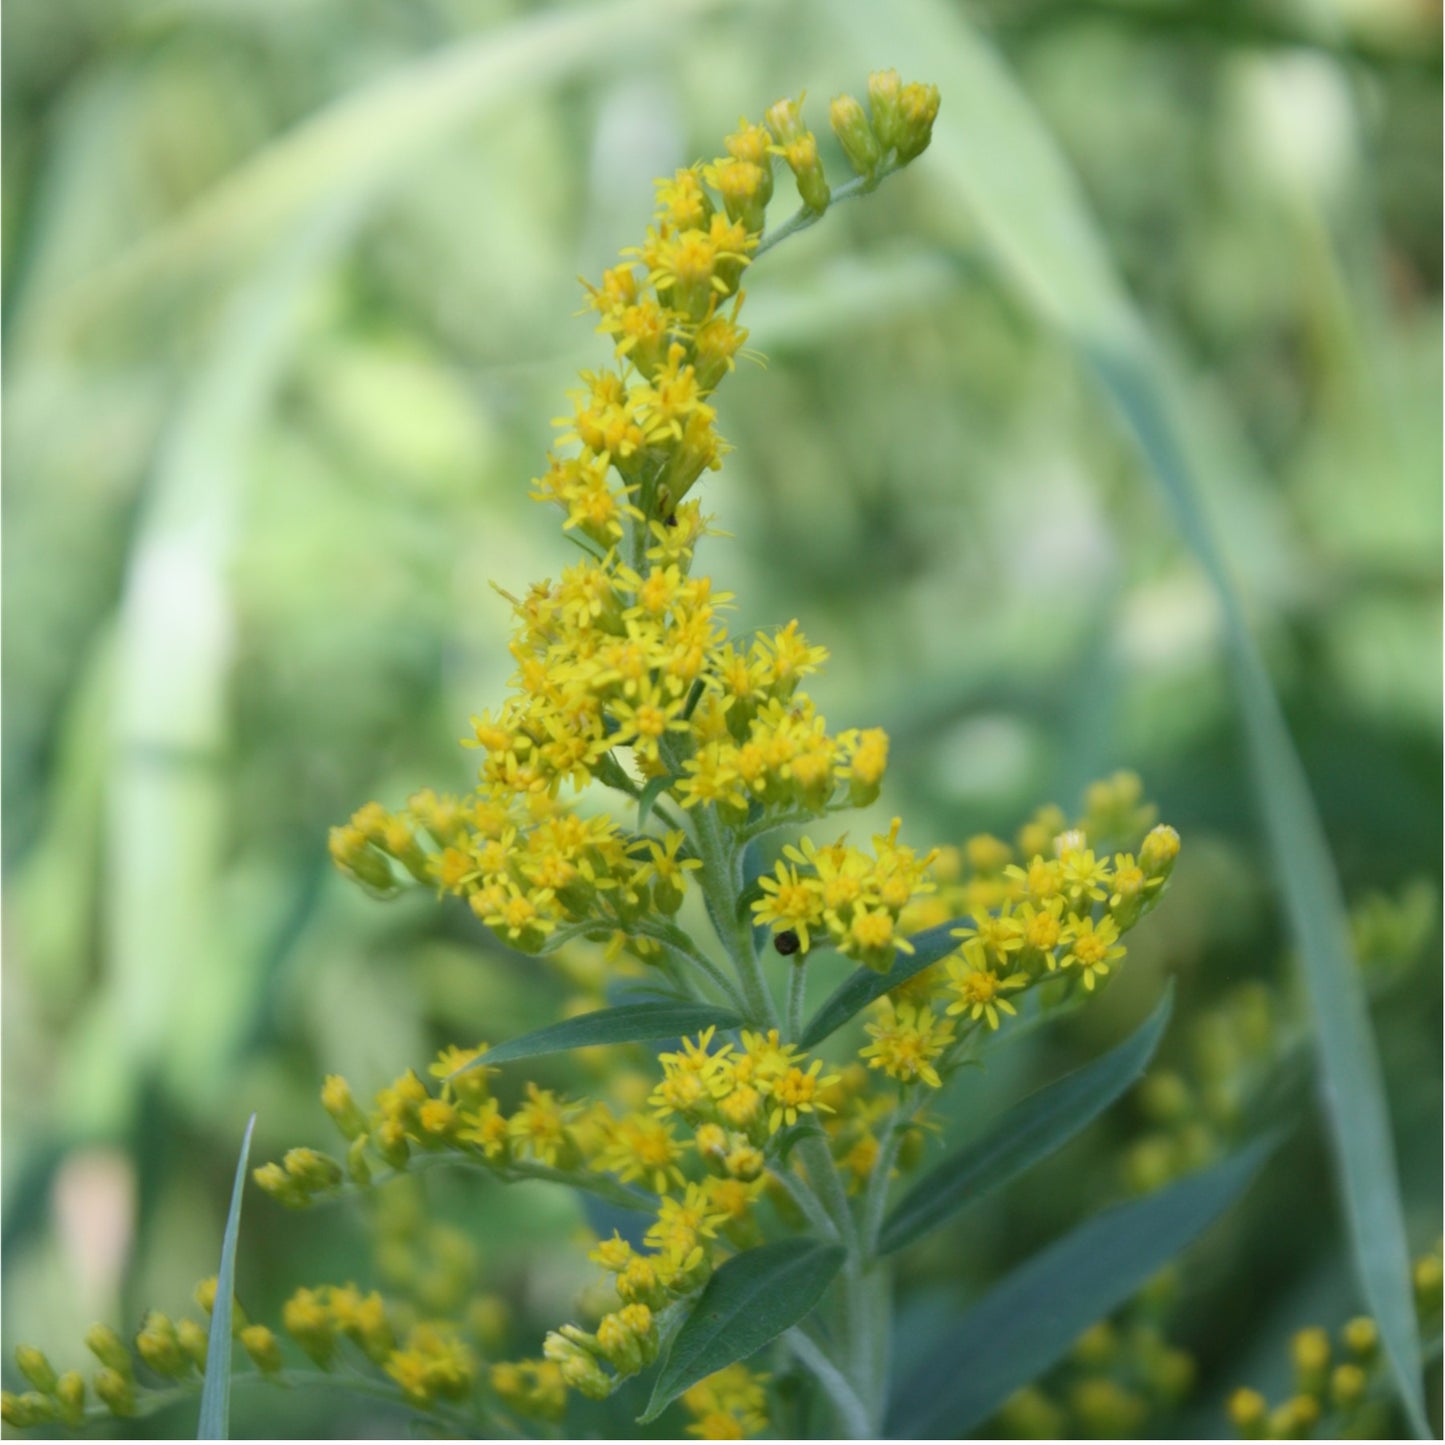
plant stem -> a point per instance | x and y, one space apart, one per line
736 934
852 1411
681 944
797 977
805 216
876 1197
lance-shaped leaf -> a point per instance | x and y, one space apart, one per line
1029 1320
215 1420
863 985
1028 1132
752 1299
628 1023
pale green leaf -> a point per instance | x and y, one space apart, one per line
1028 1132
215 1418
752 1299
1032 1317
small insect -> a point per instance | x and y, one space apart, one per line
787 942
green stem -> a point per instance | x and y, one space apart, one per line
678 942
797 978
852 1412
876 1197
805 216
735 934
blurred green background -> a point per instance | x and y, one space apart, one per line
289 300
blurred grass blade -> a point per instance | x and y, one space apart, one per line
1028 1132
368 138
1030 1319
1010 184
216 1389
628 1023
863 985
752 1299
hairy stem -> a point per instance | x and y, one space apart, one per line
797 979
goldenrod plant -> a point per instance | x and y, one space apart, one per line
662 788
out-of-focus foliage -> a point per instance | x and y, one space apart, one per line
289 294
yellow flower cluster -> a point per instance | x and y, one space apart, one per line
1339 1393
625 671
852 899
730 1405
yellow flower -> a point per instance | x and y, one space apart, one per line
906 1042
978 992
1091 947
795 1092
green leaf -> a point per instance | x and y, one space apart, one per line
1030 1319
1028 1132
863 985
215 1418
752 1299
1010 186
650 794
627 1023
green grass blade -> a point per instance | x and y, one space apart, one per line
1030 1319
627 1023
1028 1132
863 985
216 1389
1010 185
752 1299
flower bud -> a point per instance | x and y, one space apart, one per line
619 1345
159 1347
390 1141
336 1099
1361 1338
579 1369
36 1368
24 1412
1160 849
784 120
260 1344
637 1283
1310 1350
884 91
855 135
276 1182
1248 1412
115 1391
308 1322
801 154
313 1171
745 1162
70 1398
109 1349
193 1341
918 109
1347 1386
638 1319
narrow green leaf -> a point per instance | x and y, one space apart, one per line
1030 1319
752 1299
1010 186
650 794
1028 1132
215 1418
627 1023
863 985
